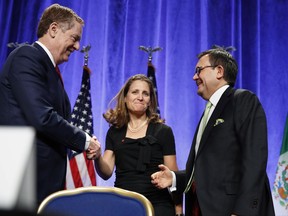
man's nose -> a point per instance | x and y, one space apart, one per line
77 45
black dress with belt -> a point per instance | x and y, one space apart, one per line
137 159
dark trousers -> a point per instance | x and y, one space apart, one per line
195 205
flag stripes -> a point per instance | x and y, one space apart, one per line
81 171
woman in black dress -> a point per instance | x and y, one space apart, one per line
137 142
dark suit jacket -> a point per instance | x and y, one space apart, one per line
230 166
31 94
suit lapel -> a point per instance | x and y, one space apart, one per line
63 109
190 161
49 63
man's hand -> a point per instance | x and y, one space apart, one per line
162 179
94 150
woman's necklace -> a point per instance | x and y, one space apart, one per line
137 129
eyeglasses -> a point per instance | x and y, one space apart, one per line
199 69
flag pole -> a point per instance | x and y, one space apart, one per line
85 50
151 69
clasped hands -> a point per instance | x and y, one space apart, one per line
94 150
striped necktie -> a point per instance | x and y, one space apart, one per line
205 116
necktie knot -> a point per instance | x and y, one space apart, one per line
206 113
208 105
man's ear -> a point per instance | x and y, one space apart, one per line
53 29
220 72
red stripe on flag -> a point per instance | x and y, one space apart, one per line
75 173
91 170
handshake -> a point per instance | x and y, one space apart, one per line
94 150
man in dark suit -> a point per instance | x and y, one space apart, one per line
32 94
226 168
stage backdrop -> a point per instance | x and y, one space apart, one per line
183 28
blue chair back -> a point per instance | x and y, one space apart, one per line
95 200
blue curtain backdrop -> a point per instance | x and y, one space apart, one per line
116 28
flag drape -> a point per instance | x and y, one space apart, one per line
81 171
152 77
280 187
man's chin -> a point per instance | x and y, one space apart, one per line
66 58
200 92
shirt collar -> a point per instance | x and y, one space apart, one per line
47 51
217 95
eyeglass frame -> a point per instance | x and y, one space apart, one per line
199 69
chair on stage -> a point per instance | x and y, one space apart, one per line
96 201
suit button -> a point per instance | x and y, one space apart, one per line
255 203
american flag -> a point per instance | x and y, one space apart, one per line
81 171
152 77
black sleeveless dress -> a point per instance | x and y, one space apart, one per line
137 159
